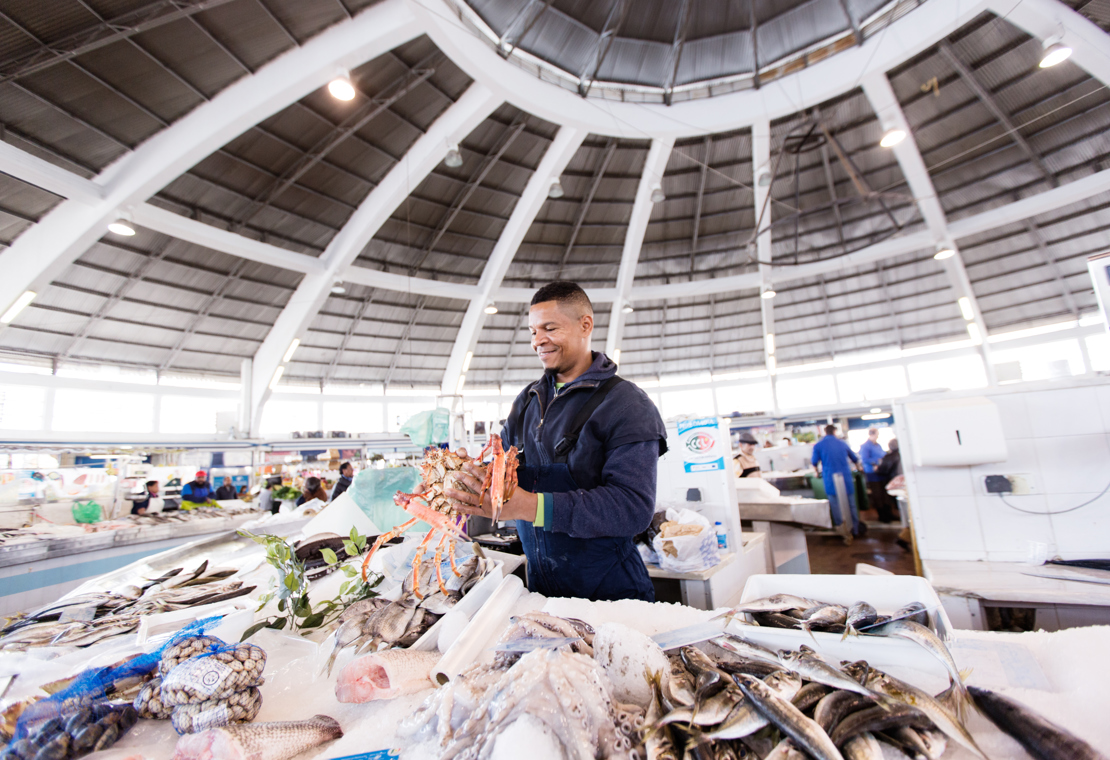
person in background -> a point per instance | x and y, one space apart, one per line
787 441
244 494
141 503
346 473
833 456
226 490
197 492
887 470
768 445
312 490
746 464
266 501
870 453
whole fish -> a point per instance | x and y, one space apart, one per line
1042 739
677 687
708 713
809 665
823 616
915 611
385 675
789 719
860 614
776 620
930 642
350 630
833 707
744 719
926 703
258 741
757 668
774 603
658 745
745 648
863 747
878 719
706 673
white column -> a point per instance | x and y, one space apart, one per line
456 123
245 372
555 160
41 253
761 162
883 101
652 177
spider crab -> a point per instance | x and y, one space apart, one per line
440 469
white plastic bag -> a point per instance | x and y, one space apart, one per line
687 554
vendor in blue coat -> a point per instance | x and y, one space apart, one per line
833 456
582 494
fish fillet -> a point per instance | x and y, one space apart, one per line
258 741
385 675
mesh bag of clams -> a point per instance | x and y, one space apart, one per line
215 671
214 713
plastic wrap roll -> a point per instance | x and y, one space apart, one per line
481 633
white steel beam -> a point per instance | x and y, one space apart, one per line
761 162
554 161
44 250
901 40
41 173
450 128
651 177
885 104
1047 18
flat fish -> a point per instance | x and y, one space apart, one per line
385 675
258 741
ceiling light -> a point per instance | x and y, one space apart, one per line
965 308
974 334
876 410
768 294
338 289
466 361
277 376
121 227
892 137
627 308
453 159
944 253
616 356
657 195
289 351
1054 52
341 87
491 308
769 342
19 305
763 179
878 416
771 364
556 189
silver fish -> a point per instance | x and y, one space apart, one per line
350 630
930 642
863 747
878 719
809 665
745 719
774 603
708 713
258 741
859 615
745 648
914 611
1040 737
789 719
823 615
658 745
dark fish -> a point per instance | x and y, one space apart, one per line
775 620
706 674
810 695
757 668
914 611
789 719
833 707
1042 739
877 718
860 614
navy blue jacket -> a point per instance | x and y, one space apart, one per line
614 463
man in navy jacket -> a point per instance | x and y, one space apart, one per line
579 501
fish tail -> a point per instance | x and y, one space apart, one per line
848 629
956 700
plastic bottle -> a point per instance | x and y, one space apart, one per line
722 536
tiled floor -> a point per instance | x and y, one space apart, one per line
828 554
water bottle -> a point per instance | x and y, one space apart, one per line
722 537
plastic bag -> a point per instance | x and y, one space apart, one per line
427 428
86 512
214 674
240 706
687 553
373 491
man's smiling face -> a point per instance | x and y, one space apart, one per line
559 338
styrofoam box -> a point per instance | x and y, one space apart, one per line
885 593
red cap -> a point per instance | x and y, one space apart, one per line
201 474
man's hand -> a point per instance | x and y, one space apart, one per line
521 506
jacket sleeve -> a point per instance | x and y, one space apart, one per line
187 492
622 505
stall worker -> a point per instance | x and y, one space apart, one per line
746 464
886 471
832 455
266 501
226 491
197 492
346 473
313 489
589 446
147 502
870 454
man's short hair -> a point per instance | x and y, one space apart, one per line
150 483
565 293
830 429
344 466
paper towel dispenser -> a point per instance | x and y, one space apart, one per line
955 432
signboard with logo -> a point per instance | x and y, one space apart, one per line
701 447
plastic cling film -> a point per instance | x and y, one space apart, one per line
202 720
240 706
532 644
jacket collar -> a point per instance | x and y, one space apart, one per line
600 370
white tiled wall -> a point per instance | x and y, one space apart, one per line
1058 433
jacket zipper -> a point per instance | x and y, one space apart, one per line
543 412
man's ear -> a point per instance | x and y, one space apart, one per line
587 323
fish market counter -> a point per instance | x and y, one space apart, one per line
36 571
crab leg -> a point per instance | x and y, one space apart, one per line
382 539
439 560
416 564
451 556
437 520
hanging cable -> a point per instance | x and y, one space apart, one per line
1062 511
